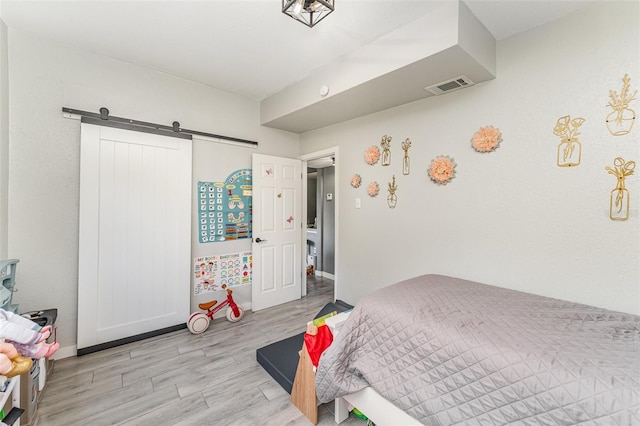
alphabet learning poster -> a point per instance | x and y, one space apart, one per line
212 272
224 208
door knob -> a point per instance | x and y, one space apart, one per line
258 240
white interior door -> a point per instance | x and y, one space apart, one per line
135 233
277 230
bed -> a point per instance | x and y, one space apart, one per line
447 351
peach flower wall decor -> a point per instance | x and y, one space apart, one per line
442 170
486 139
372 155
373 189
356 180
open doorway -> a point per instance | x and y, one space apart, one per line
320 205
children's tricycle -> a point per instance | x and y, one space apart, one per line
199 322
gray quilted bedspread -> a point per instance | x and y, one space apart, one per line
449 351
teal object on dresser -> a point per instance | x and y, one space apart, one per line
8 277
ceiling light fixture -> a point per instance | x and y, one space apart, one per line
309 12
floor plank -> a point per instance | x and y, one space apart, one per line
187 380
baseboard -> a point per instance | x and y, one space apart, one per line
66 352
325 275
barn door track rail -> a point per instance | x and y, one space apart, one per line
104 119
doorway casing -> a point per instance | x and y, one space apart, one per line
328 152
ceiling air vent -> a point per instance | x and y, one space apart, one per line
450 85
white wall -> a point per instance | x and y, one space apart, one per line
44 164
511 218
4 139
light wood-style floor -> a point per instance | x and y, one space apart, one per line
184 379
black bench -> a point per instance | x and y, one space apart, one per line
280 359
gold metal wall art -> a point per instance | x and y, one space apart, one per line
392 198
406 163
619 199
385 143
570 148
621 120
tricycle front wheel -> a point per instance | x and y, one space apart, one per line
231 317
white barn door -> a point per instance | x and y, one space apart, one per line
135 233
277 231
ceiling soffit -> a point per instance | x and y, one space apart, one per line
391 71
